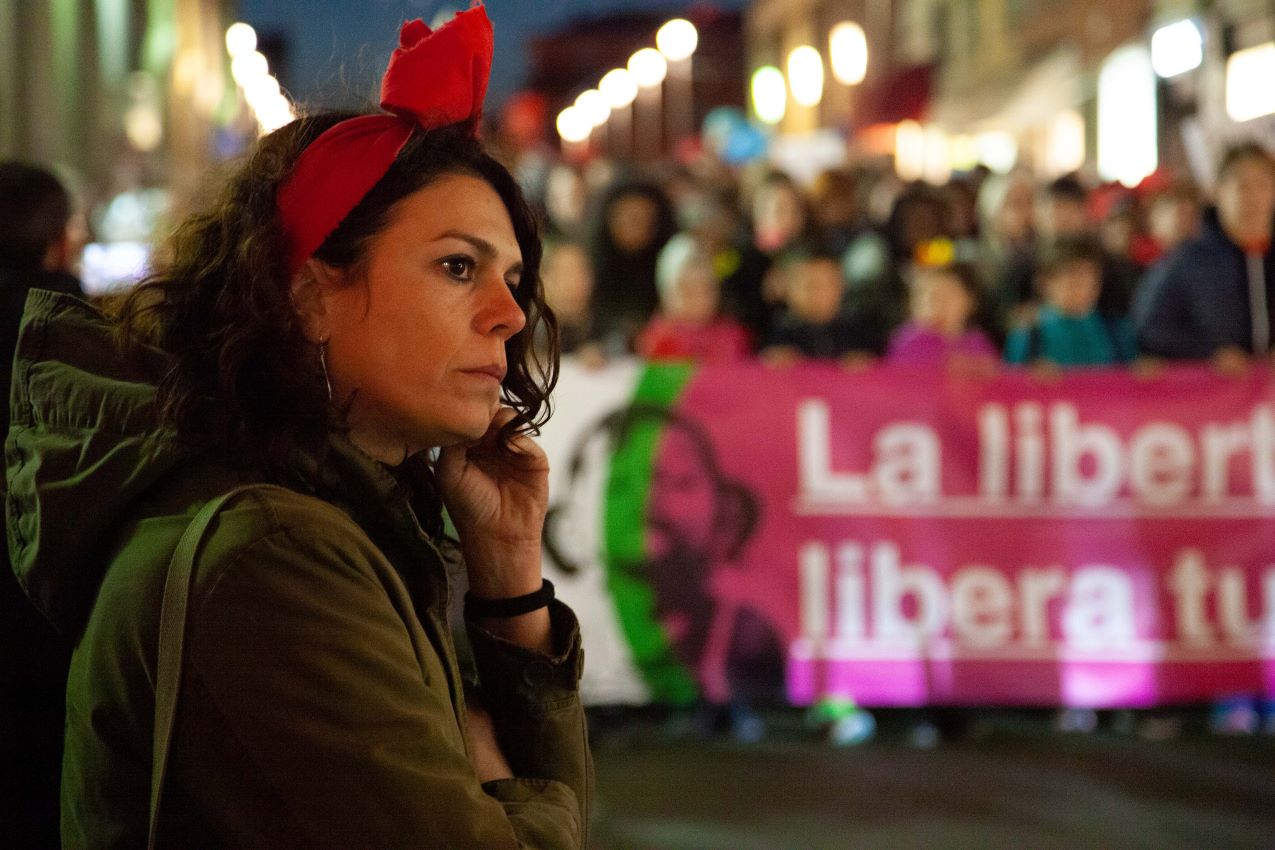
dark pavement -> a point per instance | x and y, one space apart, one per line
1018 785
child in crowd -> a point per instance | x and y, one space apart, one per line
815 323
689 325
942 301
1069 330
568 282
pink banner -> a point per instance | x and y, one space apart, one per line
1096 540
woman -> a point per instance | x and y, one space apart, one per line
364 293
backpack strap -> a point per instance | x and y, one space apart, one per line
172 633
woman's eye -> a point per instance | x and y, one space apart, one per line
461 268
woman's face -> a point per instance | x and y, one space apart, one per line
417 335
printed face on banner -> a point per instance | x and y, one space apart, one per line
695 523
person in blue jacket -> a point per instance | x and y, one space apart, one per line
1069 329
1213 298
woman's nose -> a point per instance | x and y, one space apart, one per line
500 312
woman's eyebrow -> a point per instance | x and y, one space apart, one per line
484 248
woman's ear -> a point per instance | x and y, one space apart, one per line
308 290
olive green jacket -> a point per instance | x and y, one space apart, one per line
321 703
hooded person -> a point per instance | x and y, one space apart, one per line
229 490
633 220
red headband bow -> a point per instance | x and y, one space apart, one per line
434 79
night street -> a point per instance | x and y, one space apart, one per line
1019 787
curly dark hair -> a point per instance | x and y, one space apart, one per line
220 303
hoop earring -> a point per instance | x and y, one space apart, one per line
323 362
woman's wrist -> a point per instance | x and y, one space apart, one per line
496 573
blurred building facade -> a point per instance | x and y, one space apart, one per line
1056 85
116 94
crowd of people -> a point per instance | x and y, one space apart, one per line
699 263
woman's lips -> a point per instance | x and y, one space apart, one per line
494 372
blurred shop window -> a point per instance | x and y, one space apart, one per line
125 228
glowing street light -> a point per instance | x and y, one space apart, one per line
240 39
770 94
848 53
618 87
247 67
1176 49
573 126
677 39
805 75
1128 148
594 107
648 67
1249 93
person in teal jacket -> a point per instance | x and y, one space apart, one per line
347 333
1069 330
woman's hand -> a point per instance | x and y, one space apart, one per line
498 505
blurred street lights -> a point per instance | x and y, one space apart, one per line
1249 93
573 126
769 94
649 68
677 41
240 38
620 90
1176 49
848 53
1127 112
595 110
252 74
805 75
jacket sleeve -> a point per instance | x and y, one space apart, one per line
1162 315
316 712
534 702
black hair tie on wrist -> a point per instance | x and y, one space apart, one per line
513 606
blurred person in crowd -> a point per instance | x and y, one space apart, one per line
565 195
1062 214
1007 230
1173 217
689 324
781 226
713 221
877 261
1213 297
568 282
838 213
961 219
816 323
632 222
254 449
41 237
1062 209
1069 330
943 302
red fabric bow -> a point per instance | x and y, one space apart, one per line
434 79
